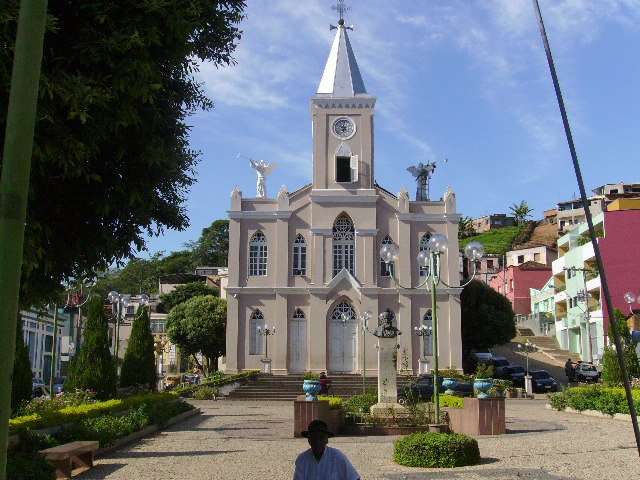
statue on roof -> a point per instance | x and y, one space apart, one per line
263 169
422 174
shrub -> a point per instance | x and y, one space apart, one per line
361 403
25 463
594 397
138 364
451 401
219 381
67 399
335 403
160 413
21 381
205 393
311 376
93 368
484 370
558 400
436 450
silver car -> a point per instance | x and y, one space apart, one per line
586 372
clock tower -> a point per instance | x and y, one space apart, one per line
342 123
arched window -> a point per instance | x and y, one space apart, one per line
385 268
343 245
343 308
424 245
344 164
427 345
299 256
298 314
256 346
258 254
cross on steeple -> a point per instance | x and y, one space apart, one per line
341 8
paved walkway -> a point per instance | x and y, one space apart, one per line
254 440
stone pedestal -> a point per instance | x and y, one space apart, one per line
423 366
528 384
266 365
387 382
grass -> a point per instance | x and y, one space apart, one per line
496 241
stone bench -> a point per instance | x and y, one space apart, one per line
71 455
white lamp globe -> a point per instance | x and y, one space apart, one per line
423 258
474 251
630 297
389 253
438 243
113 296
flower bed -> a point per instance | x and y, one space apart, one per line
185 391
607 400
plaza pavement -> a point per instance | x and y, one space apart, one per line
254 440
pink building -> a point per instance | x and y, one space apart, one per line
516 282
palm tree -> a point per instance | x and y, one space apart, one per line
521 212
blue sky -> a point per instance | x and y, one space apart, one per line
464 80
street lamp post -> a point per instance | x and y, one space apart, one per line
364 320
266 331
430 260
423 331
120 300
527 348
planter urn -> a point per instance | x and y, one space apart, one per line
449 383
483 385
311 389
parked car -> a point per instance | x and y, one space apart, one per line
37 382
483 355
586 372
40 391
499 364
543 382
514 373
422 388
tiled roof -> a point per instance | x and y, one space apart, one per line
533 266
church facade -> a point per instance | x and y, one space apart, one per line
308 262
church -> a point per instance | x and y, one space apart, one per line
307 263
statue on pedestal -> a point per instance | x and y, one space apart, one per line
385 326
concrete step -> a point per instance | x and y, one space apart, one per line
525 332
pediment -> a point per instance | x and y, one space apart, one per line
343 280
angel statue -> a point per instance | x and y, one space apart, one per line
263 169
422 173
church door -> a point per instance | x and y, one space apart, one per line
342 340
298 343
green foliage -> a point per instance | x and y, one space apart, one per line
25 463
205 393
496 241
182 293
216 382
465 227
487 319
595 397
453 373
611 369
451 401
436 450
199 325
311 376
138 364
58 402
212 248
521 211
93 368
335 403
361 403
111 146
22 378
484 370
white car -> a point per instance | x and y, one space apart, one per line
483 355
586 372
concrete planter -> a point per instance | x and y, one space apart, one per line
305 412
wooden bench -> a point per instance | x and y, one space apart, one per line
71 455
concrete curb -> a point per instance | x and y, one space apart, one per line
622 417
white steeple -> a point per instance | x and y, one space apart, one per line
341 77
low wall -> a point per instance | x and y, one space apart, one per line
305 412
479 416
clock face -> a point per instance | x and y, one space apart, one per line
344 128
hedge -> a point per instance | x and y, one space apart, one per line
607 400
217 382
436 450
335 403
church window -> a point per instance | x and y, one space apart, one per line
424 245
343 245
258 254
256 346
385 268
298 314
343 308
299 256
343 169
427 345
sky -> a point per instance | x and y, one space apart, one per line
465 81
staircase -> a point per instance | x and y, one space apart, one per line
546 345
288 387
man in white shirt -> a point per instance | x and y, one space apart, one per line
321 462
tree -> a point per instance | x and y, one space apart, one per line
138 364
212 248
199 325
182 293
111 160
521 212
465 227
611 370
22 379
487 319
94 368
